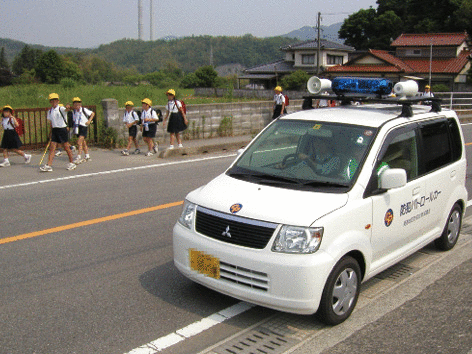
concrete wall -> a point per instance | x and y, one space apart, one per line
207 120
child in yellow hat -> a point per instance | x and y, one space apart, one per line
11 140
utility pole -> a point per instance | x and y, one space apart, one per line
318 25
151 20
140 20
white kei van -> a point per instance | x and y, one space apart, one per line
324 199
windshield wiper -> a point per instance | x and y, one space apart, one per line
262 178
324 183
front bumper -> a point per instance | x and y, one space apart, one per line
286 282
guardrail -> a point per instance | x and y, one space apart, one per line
37 128
461 102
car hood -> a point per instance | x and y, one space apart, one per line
272 204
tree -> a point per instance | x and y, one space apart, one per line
372 28
206 76
3 60
295 81
6 76
50 67
26 60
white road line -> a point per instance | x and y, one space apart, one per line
192 329
114 171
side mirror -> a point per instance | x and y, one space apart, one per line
392 178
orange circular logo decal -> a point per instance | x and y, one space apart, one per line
235 208
388 217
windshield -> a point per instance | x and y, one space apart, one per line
305 155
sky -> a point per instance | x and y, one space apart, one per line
90 23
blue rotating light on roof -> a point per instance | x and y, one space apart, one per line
363 86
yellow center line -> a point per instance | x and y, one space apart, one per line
468 144
88 222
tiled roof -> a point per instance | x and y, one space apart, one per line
313 44
453 65
426 39
280 66
395 65
363 69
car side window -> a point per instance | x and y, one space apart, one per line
401 152
455 139
437 147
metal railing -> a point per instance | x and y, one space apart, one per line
461 102
38 131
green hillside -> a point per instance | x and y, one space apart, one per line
13 48
187 53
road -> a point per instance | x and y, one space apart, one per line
87 263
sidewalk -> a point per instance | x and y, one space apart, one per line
106 159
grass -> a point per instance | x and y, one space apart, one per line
36 95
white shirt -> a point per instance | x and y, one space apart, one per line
149 114
279 99
80 118
58 120
130 117
6 124
173 106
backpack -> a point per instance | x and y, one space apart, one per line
184 106
20 129
140 121
159 115
287 100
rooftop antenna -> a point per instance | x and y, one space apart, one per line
140 20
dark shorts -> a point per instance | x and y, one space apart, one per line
278 111
10 140
59 135
133 131
82 131
151 133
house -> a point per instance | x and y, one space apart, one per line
436 58
299 56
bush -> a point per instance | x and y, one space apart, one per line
108 138
68 82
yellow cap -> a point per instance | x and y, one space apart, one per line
170 92
278 88
129 103
76 99
7 107
53 96
427 86
147 101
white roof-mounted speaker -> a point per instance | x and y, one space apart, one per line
316 85
405 89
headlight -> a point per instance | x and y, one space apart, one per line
188 214
294 239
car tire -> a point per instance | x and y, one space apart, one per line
341 292
452 229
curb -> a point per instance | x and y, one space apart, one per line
204 149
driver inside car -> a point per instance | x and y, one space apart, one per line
320 157
318 154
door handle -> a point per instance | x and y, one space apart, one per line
416 190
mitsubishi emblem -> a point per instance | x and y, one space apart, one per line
226 233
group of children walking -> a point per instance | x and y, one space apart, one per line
148 119
175 119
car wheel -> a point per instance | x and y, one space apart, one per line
452 229
341 292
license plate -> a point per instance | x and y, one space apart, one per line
204 263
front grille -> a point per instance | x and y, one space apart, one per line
243 276
234 229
